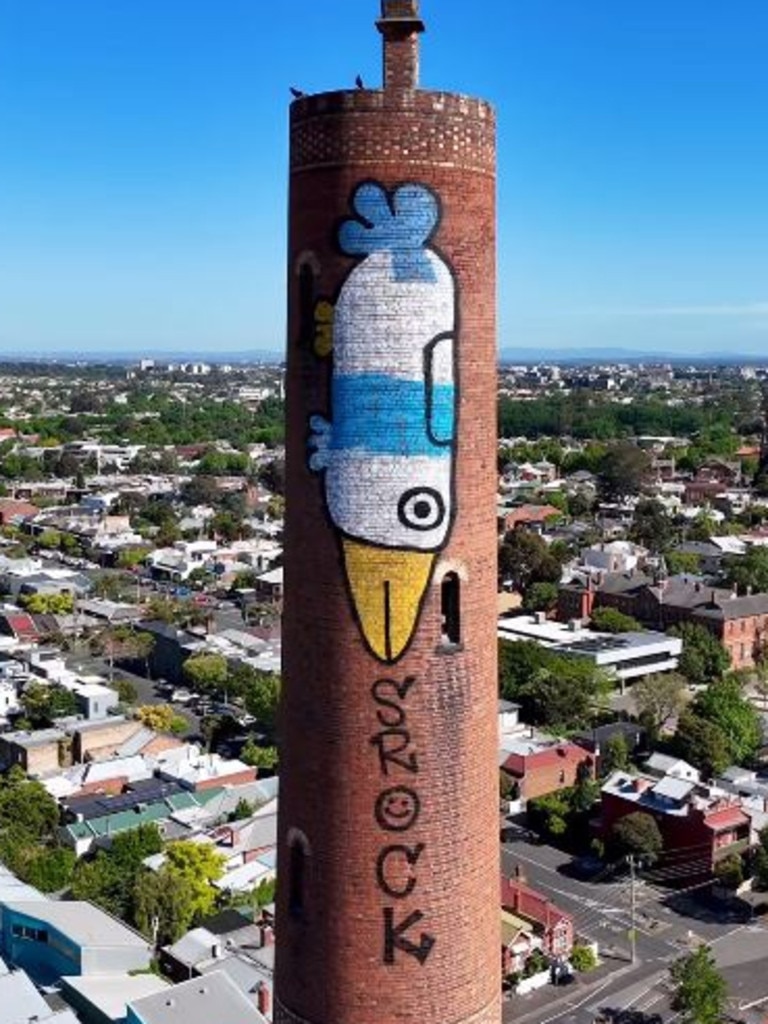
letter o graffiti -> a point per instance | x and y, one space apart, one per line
397 809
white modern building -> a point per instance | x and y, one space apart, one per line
625 656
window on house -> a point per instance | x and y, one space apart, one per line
450 608
297 871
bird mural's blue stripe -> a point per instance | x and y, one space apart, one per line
387 415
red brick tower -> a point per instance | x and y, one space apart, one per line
388 906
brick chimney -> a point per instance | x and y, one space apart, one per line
264 999
400 26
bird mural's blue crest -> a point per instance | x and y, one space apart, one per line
400 223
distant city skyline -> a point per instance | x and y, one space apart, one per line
143 151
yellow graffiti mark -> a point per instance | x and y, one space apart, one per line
387 587
323 328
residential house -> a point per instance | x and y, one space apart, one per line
525 517
699 824
13 512
548 922
540 766
229 943
218 999
518 941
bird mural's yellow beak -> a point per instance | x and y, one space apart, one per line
387 587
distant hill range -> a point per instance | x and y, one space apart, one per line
591 356
507 356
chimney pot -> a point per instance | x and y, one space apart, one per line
400 26
264 999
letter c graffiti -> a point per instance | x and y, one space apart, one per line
411 855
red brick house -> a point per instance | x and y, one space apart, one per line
12 511
697 827
740 622
552 925
540 768
526 517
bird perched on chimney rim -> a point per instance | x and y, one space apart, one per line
359 82
297 93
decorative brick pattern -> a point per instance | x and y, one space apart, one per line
424 129
390 770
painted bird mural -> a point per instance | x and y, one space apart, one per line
387 451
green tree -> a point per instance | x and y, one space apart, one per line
43 702
637 833
258 757
47 604
703 658
749 570
127 692
724 705
623 472
651 526
702 743
26 804
194 867
614 755
130 558
109 878
261 693
611 620
524 559
161 718
207 673
49 539
729 871
760 864
50 870
658 698
583 959
540 597
682 562
700 991
163 909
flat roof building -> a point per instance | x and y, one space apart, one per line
627 656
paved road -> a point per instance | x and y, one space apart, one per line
667 926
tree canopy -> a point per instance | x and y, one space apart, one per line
724 705
525 559
703 658
611 620
749 570
637 833
700 990
658 698
553 690
702 743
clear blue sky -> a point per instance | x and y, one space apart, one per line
143 150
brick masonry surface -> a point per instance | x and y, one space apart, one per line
333 963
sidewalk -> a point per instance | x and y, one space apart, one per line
545 1002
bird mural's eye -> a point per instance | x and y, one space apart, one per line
421 508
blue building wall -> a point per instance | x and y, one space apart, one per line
43 952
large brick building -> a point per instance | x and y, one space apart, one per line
740 622
388 836
698 825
